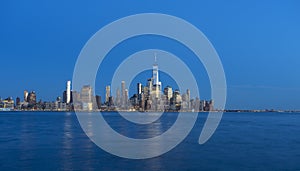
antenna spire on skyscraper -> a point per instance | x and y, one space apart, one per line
155 71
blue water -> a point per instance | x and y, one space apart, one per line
243 141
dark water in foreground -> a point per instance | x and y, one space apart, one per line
243 141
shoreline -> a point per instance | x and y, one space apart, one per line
94 111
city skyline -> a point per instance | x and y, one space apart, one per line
117 99
150 85
258 47
150 97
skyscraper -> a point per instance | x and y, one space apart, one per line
31 99
75 96
142 102
86 97
107 93
98 101
156 82
126 98
25 95
123 93
155 73
118 98
150 87
139 88
68 93
86 94
65 96
110 101
188 98
176 100
168 92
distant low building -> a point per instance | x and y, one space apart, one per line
7 104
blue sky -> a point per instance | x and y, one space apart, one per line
257 41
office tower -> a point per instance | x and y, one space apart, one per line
65 96
148 104
184 103
176 100
164 103
134 101
71 96
155 73
126 97
177 96
139 88
18 101
31 99
25 95
168 92
98 101
86 97
188 95
156 83
86 94
211 105
206 105
110 101
107 93
118 97
142 102
140 91
123 93
188 98
146 92
68 92
198 106
75 96
149 85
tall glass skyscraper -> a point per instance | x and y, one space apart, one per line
68 100
156 83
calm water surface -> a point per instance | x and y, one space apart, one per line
243 141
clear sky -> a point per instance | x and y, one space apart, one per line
258 43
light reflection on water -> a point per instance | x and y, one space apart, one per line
67 143
55 141
27 144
